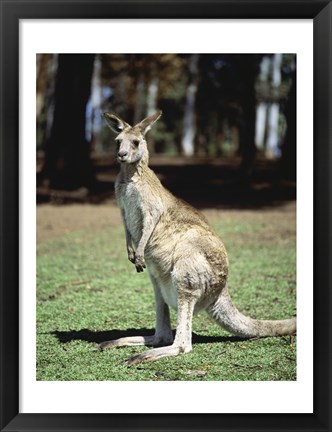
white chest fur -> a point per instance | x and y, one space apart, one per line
130 203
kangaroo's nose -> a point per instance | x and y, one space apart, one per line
122 154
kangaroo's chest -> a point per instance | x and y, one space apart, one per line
130 202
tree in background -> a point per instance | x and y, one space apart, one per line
226 102
247 66
288 160
67 163
189 123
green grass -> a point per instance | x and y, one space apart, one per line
88 292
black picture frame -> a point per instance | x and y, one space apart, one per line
11 12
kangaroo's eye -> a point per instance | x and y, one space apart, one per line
136 142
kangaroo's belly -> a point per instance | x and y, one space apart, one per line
169 292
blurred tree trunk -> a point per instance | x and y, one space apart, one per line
261 115
248 70
67 154
273 137
152 96
189 125
139 106
288 159
152 100
46 71
94 118
262 108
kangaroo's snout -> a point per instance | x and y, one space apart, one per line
122 155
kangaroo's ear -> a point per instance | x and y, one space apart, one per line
145 125
115 123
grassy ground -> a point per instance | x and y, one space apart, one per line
88 292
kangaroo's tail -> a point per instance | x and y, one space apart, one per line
231 319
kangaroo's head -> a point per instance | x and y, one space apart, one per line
131 143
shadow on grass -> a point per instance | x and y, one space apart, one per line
102 336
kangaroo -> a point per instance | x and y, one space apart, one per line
186 260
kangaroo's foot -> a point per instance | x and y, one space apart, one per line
128 341
157 353
155 340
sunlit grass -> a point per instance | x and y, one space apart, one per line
88 291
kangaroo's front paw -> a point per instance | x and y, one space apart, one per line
139 263
131 255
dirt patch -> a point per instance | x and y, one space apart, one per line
53 221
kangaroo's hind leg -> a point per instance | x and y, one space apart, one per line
187 298
182 341
163 333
